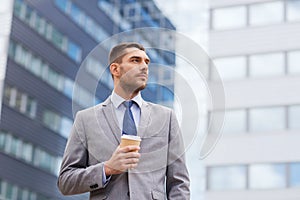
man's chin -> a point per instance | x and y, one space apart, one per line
141 87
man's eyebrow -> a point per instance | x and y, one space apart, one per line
139 57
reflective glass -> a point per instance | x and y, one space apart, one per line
266 13
2 140
233 17
26 152
266 65
294 62
76 13
68 87
293 10
66 126
74 51
267 119
267 176
9 193
235 121
294 117
294 179
61 4
230 68
228 177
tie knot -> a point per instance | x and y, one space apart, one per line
128 104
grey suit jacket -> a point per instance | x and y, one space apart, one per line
161 172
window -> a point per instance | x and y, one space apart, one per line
267 119
82 19
230 68
41 69
2 140
293 10
235 121
27 151
66 126
232 17
294 62
51 120
10 191
294 116
267 65
20 101
267 176
57 123
227 177
74 51
68 87
266 13
294 179
46 29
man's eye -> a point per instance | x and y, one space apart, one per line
135 60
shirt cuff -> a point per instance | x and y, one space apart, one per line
104 178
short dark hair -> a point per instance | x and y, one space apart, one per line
118 52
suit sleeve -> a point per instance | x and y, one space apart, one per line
75 175
177 174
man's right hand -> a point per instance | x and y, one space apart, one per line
122 159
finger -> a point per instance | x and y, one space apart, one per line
131 161
129 148
131 155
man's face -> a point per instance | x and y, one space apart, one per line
134 69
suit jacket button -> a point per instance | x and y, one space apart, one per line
94 186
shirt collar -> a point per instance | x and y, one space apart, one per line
118 100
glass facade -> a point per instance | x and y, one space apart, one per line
227 177
260 176
267 119
255 14
294 175
57 123
257 65
29 153
82 19
10 191
235 122
266 13
267 176
261 119
20 101
42 69
24 12
293 62
227 18
293 10
231 68
266 65
293 117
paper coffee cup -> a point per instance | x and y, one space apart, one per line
127 140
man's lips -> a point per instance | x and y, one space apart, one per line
142 75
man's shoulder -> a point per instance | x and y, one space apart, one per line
158 107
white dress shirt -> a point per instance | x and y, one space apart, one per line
120 108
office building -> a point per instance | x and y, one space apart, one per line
255 46
43 44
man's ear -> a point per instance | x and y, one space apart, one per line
115 69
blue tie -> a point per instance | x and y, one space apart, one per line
128 121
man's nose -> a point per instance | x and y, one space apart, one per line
144 66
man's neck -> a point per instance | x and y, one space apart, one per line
125 94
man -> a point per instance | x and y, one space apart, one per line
93 160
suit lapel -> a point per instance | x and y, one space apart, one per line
144 120
111 119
